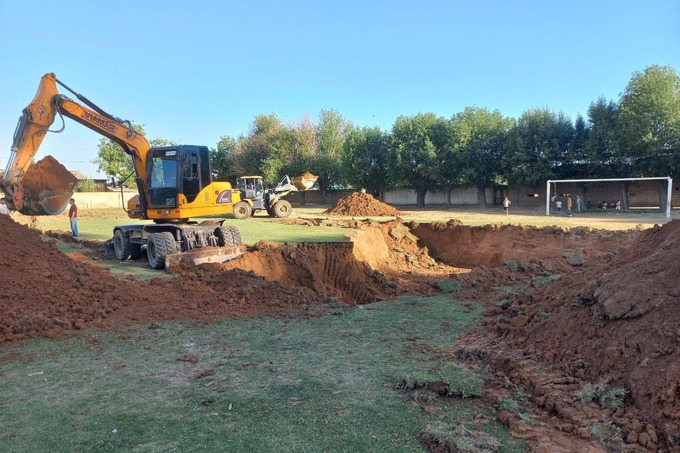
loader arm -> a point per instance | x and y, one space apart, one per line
36 120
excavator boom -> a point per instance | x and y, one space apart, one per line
32 194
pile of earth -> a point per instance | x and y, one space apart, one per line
361 204
48 186
612 321
46 293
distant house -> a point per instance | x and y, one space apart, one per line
99 183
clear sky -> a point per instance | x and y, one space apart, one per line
192 72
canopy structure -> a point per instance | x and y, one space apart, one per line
668 192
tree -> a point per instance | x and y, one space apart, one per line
331 133
413 150
364 160
113 161
482 140
223 162
648 126
539 147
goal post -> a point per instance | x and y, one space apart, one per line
660 178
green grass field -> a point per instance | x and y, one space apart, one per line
324 384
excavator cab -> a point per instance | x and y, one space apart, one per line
175 170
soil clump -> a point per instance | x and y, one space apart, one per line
48 186
361 204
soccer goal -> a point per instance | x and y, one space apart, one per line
667 178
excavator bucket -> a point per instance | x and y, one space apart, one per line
304 182
173 262
45 189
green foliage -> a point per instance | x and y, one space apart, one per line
325 162
364 160
446 285
87 185
508 404
481 139
649 122
224 162
511 265
607 433
602 394
415 147
538 147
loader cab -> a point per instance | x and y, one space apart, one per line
251 187
177 169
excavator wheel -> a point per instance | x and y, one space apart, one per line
158 246
227 236
242 210
124 249
282 209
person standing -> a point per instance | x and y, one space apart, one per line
558 205
578 203
73 217
568 203
506 205
4 209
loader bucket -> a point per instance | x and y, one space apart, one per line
305 181
202 256
45 189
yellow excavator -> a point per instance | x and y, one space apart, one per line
174 183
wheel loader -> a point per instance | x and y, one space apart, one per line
174 183
255 197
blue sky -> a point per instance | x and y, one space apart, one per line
192 72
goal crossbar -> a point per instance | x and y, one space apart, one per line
659 178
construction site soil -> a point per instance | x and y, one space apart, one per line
48 186
361 204
563 309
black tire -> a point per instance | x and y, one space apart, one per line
158 246
123 248
242 210
282 209
227 236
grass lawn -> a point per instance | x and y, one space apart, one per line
323 384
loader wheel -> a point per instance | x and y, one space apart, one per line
282 209
158 246
242 210
228 236
124 249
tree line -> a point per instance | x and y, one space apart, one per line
636 136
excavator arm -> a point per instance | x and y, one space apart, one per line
34 123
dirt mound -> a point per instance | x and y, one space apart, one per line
361 204
613 321
47 186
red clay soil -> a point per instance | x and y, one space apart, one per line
47 183
361 204
614 321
